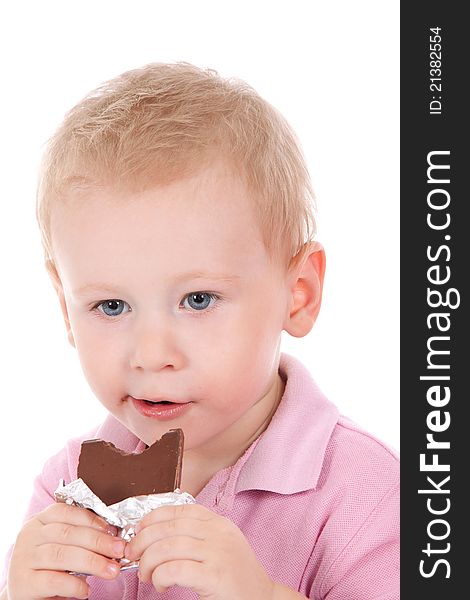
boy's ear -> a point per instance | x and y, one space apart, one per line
56 282
306 286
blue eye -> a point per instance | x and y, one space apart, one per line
112 308
199 300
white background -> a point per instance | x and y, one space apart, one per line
330 67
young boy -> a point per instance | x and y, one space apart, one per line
175 211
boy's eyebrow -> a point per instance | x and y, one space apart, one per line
93 287
204 275
99 287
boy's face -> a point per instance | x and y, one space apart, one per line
170 296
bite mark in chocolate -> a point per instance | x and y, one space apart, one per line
114 475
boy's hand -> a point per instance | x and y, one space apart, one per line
61 538
192 547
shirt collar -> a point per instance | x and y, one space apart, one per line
288 457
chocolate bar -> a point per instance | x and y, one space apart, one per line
114 475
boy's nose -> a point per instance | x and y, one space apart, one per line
155 348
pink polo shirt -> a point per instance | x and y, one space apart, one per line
316 497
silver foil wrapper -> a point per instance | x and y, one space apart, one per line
124 515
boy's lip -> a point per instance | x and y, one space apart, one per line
160 399
167 411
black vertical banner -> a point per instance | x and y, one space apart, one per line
435 252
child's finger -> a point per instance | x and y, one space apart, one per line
185 573
57 557
159 531
66 586
169 550
74 515
170 513
84 537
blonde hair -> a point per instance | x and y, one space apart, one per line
161 122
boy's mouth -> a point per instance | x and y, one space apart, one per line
160 409
157 401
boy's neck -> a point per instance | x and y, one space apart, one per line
201 464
